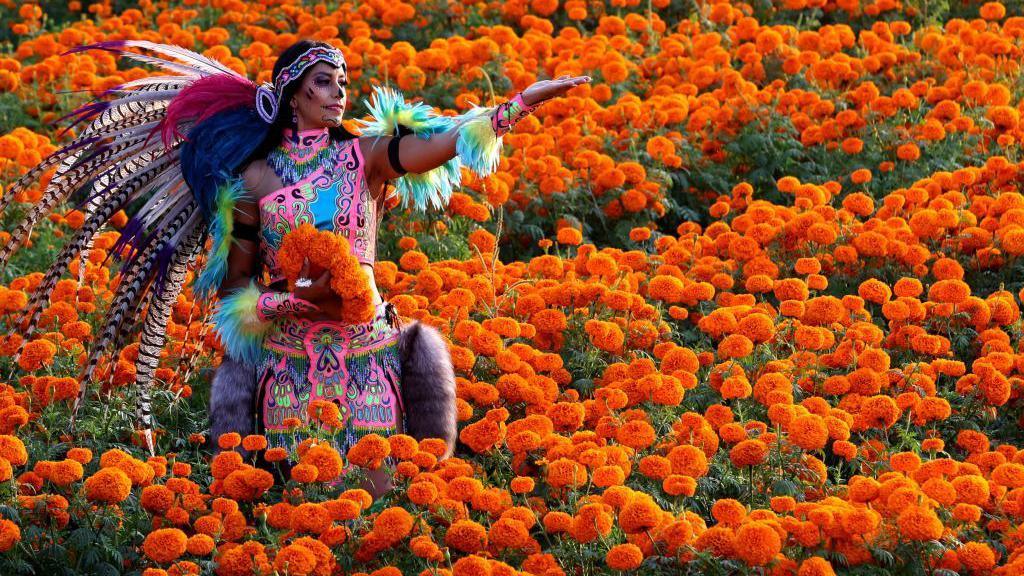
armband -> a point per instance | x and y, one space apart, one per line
507 114
478 143
244 231
243 318
238 324
396 164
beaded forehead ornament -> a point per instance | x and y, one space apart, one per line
268 96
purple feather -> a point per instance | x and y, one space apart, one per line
109 45
129 234
94 110
163 262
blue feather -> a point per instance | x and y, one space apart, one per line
211 157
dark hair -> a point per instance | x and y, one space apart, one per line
284 113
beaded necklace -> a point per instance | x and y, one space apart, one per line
298 157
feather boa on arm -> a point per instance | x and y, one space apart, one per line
478 148
222 225
239 325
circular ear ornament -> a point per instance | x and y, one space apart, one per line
266 102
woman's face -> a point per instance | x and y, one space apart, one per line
321 97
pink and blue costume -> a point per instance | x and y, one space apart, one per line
356 366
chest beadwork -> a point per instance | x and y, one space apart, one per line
294 161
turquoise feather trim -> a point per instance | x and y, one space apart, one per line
221 228
239 326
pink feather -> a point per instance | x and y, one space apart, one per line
204 98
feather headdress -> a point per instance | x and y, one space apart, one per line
163 151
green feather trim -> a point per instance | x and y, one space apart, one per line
239 326
222 226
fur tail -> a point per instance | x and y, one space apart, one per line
232 396
428 384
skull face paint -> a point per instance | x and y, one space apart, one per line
322 97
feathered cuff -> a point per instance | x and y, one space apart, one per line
478 146
222 222
481 129
240 325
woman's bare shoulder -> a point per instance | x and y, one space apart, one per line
253 174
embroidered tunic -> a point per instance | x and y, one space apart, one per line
356 366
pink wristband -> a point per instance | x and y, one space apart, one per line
507 114
270 305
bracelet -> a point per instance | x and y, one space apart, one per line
507 114
273 304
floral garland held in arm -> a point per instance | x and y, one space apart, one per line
329 251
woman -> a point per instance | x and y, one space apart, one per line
311 170
240 164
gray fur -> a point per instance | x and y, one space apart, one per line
428 384
232 397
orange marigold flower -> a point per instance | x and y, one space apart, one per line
36 354
565 472
880 411
977 557
569 235
729 511
816 566
229 440
624 557
311 517
919 523
295 560
393 524
156 498
369 452
688 461
735 346
108 485
466 536
636 434
164 545
748 453
508 532
757 543
325 459
808 432
640 515
254 442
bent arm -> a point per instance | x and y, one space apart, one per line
244 266
247 308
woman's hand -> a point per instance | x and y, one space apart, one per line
546 89
319 293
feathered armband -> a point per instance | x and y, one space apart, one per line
240 325
478 146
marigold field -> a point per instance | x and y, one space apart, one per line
747 303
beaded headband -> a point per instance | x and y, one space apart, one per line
268 96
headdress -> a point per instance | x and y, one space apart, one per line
268 95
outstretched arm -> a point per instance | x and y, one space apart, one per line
418 155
